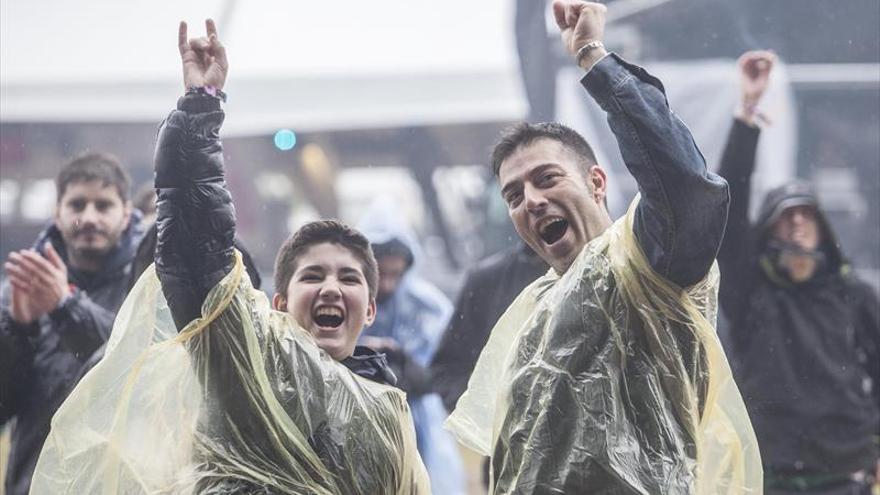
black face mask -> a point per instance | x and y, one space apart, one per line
776 248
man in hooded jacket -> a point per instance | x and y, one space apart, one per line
411 316
804 330
59 302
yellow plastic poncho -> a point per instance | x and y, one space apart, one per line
240 401
609 379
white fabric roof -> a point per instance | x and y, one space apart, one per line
304 65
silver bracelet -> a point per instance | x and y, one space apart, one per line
586 48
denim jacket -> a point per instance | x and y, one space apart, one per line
683 209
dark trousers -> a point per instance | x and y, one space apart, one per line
844 488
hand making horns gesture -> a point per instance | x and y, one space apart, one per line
204 59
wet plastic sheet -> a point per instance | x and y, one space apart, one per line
240 401
609 379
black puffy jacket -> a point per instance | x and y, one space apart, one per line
195 218
42 362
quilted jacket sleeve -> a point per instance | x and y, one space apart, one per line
195 214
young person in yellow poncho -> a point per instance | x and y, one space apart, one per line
246 398
605 376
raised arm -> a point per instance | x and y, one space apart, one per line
737 165
195 215
683 208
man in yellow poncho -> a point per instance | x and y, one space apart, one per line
605 376
243 399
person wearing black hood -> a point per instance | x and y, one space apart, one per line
411 316
59 300
805 332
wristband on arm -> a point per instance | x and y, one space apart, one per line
207 90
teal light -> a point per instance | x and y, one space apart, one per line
285 139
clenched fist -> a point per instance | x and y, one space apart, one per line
754 70
581 23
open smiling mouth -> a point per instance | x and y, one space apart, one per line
329 318
553 231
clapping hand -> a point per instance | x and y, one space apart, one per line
38 284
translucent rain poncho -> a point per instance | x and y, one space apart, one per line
610 380
240 401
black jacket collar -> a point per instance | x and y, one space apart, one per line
371 365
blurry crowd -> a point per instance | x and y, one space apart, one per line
803 333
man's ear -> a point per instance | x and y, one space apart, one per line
371 312
58 201
598 181
128 207
279 302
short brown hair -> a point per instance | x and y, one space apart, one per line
90 167
145 198
524 134
334 232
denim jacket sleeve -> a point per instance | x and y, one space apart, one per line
681 217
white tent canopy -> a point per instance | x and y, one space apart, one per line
305 65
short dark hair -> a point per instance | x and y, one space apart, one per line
394 247
321 231
524 134
94 166
145 198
